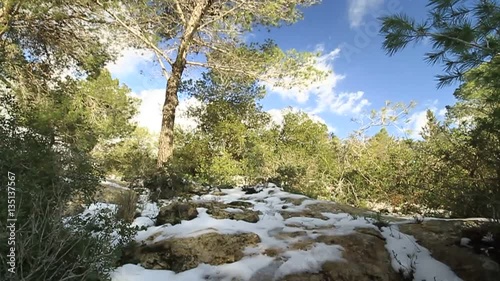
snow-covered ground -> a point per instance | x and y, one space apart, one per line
409 257
113 184
406 254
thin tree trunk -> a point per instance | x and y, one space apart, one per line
166 142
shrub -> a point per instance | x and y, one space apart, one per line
127 205
131 157
48 249
167 182
48 174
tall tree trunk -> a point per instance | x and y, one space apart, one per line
166 142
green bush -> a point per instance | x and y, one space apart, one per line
48 175
130 157
167 183
78 249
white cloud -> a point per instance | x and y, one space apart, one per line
324 91
302 94
358 9
182 119
129 61
277 116
150 110
418 120
442 112
342 103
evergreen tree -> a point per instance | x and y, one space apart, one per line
464 34
180 31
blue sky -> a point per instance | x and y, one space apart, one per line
363 77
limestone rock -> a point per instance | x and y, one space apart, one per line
180 254
442 238
239 203
174 213
221 211
365 255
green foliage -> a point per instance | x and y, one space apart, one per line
452 168
46 178
222 170
80 112
49 124
464 34
465 149
227 141
458 161
303 148
130 157
212 31
379 168
168 182
47 249
42 38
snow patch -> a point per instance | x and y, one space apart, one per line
406 255
310 260
414 260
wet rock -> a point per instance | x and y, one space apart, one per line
290 235
315 210
331 207
273 252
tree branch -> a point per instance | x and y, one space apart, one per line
221 16
239 70
137 34
7 12
179 11
470 44
162 65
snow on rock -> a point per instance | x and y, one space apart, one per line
233 210
150 210
143 222
414 260
113 184
99 207
310 260
243 269
277 235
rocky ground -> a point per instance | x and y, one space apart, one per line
267 234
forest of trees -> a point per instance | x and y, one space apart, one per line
65 123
